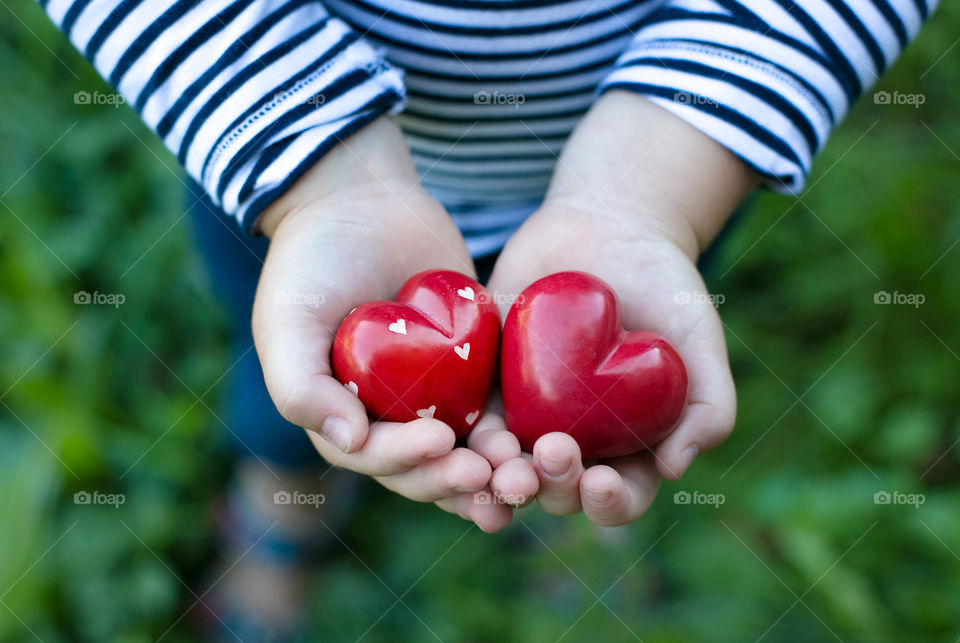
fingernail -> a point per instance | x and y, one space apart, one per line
596 496
338 432
555 467
686 458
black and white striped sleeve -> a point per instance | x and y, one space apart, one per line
247 93
768 79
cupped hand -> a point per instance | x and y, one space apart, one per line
659 289
636 195
353 230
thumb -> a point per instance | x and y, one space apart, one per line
293 334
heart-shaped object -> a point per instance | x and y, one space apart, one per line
430 353
568 365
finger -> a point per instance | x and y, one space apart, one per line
491 517
619 493
460 471
712 407
392 447
326 409
556 458
491 439
515 482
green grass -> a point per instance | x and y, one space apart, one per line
839 398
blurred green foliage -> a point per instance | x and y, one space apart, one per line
840 398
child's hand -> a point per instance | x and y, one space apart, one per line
635 197
354 229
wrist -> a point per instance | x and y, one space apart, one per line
631 156
579 211
372 164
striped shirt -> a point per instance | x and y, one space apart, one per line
250 93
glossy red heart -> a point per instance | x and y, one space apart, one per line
430 353
568 365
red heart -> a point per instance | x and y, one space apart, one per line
431 353
568 365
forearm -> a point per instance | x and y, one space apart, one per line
248 95
629 155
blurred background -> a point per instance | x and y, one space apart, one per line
833 512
